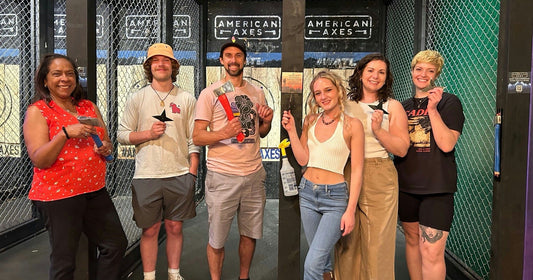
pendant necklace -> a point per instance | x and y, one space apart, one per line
327 122
418 102
162 103
65 108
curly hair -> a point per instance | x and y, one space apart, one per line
336 81
428 56
42 92
147 66
356 85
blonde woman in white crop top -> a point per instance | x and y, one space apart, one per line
328 138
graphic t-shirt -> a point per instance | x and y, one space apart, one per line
229 156
426 169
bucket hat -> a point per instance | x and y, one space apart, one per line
160 49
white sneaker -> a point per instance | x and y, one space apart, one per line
149 275
175 276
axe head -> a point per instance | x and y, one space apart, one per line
226 87
430 86
88 120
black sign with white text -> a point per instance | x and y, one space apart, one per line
182 26
141 26
330 27
8 25
60 26
246 26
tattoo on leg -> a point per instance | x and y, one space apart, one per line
430 235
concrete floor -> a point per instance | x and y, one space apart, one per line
29 260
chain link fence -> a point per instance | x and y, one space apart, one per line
16 76
125 30
466 34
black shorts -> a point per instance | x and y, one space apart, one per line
431 210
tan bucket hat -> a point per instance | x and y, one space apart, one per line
160 49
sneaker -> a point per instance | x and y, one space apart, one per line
175 276
149 275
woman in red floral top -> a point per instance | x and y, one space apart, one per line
68 185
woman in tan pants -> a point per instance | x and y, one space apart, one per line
368 253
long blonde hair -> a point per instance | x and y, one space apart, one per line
336 81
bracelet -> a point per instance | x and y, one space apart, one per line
65 131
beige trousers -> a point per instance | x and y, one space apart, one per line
368 252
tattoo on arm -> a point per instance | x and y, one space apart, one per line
430 235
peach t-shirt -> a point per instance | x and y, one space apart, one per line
229 156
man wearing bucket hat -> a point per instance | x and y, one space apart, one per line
158 120
235 175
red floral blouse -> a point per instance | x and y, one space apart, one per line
78 169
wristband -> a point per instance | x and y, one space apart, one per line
65 131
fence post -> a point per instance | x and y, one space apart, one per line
81 46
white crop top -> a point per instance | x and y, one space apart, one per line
331 154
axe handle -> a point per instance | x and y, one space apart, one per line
225 104
99 144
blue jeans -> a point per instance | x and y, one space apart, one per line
321 207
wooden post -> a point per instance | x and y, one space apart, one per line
292 64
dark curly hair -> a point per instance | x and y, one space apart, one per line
355 91
42 92
147 66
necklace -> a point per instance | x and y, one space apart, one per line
65 108
162 103
418 102
327 122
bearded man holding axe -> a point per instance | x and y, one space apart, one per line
237 116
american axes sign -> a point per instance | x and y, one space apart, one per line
250 27
147 26
60 26
334 27
8 25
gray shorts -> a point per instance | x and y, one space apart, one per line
227 195
163 198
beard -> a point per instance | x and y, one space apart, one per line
234 73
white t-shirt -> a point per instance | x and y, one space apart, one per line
167 156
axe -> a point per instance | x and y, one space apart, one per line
220 92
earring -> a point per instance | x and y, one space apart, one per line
45 85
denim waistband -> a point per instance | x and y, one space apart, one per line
325 187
